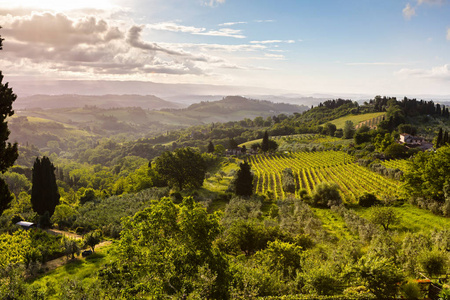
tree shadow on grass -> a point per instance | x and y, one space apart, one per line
72 265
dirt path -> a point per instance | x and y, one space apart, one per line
64 233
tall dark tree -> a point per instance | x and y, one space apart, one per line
8 152
446 139
265 142
210 147
439 138
44 192
243 183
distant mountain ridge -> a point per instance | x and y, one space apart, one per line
232 104
105 101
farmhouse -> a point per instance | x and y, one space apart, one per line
411 140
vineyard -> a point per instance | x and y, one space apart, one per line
401 164
312 168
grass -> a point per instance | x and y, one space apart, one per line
83 270
414 219
356 119
334 224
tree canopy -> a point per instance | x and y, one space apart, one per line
182 168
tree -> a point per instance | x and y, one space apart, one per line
439 139
329 129
265 142
243 182
5 196
349 130
44 192
210 147
8 151
70 247
326 194
367 200
384 216
232 144
288 180
380 275
182 168
164 247
427 174
92 239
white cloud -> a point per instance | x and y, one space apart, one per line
89 45
60 30
224 32
170 26
273 42
440 72
264 21
409 12
232 23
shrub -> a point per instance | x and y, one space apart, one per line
326 195
367 200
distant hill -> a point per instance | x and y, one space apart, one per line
233 104
40 119
106 101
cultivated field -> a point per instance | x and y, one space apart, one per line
312 168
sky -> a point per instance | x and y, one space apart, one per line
382 47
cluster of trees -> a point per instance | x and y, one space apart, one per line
248 251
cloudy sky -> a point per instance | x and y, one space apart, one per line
332 46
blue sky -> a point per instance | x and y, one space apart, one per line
372 47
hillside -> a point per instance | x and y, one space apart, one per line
106 101
94 119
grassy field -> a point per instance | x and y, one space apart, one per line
356 119
415 219
80 269
334 224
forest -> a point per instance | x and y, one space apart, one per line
324 203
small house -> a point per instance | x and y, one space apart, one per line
410 140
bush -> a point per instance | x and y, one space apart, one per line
411 290
367 200
433 262
326 195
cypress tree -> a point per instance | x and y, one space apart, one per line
210 147
243 184
439 138
445 140
265 142
44 192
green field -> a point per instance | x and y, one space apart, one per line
356 119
